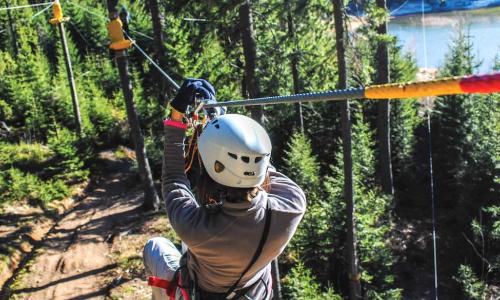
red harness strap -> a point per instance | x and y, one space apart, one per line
171 287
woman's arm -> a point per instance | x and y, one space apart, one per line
290 195
182 209
183 212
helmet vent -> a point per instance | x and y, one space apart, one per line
232 155
258 158
249 173
217 126
218 166
245 159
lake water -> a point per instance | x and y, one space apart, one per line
483 26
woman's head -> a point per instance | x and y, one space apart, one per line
211 193
235 151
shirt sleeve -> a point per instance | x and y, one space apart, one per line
290 196
183 211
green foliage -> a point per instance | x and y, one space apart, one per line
27 155
300 284
372 223
464 135
5 110
312 240
486 236
319 241
16 185
494 232
465 145
301 165
16 181
471 285
154 149
68 164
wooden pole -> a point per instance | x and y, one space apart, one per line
354 275
151 200
71 80
384 109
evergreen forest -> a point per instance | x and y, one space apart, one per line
248 49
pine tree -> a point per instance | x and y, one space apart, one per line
372 217
312 243
452 128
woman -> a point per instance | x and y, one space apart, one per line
248 212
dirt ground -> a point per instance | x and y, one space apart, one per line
95 250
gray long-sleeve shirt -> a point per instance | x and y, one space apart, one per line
221 245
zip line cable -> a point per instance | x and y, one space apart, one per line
106 19
169 79
142 34
431 171
446 86
100 16
24 6
398 8
134 43
42 11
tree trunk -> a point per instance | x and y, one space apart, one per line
293 64
151 200
275 273
383 117
12 30
158 22
69 70
354 275
250 53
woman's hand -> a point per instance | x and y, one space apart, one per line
187 93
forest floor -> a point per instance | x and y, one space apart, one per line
90 249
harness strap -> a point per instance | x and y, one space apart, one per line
169 286
158 282
231 293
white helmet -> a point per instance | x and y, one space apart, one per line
235 151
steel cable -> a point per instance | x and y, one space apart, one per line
431 170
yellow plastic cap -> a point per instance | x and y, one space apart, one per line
58 14
115 34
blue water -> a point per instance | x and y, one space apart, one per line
415 6
483 26
407 7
